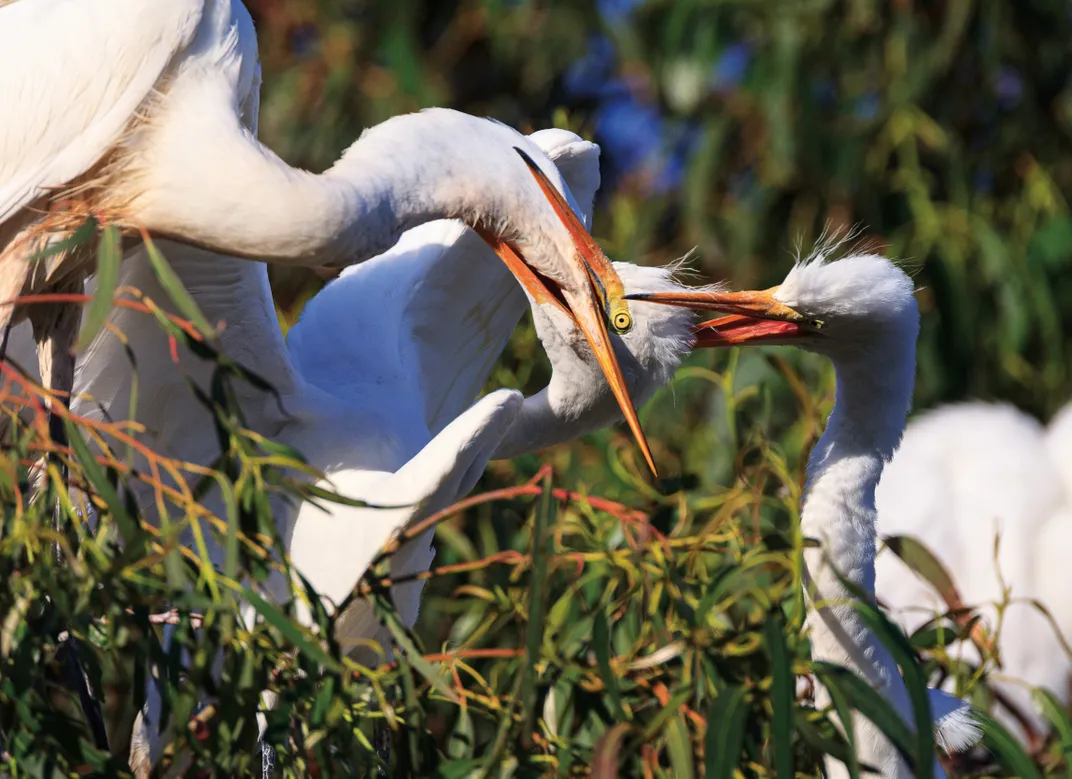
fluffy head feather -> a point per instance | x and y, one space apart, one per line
648 354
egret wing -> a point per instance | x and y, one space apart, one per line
427 320
334 554
75 74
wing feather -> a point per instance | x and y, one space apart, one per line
75 74
428 319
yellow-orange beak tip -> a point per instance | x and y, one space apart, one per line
589 303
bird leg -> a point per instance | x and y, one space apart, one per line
55 328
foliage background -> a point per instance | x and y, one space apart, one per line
740 130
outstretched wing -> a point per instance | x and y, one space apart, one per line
74 75
334 554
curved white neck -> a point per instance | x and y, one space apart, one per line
872 402
195 174
538 426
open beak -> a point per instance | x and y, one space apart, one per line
736 330
756 316
596 294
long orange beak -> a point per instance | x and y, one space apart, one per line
590 322
755 316
596 296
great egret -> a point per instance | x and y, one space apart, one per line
965 475
860 313
381 362
144 114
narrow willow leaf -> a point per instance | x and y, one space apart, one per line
901 650
456 769
84 233
109 256
1056 713
811 734
293 633
869 702
601 644
725 732
413 655
95 475
173 286
782 695
542 521
1006 749
605 754
844 717
679 747
667 713
920 559
899 647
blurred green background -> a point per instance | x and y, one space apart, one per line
743 129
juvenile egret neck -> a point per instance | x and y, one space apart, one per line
861 314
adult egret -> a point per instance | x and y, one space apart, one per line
381 362
143 114
966 475
861 314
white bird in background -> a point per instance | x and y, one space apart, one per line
860 313
144 114
380 368
964 475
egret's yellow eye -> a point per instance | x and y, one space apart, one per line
622 322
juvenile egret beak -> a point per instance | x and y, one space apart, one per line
588 317
754 316
595 296
760 304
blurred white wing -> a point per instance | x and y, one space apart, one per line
964 474
74 75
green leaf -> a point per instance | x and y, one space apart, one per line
413 656
844 716
542 521
601 644
865 699
920 559
679 747
95 475
1056 713
1006 748
782 695
901 650
305 643
109 256
899 647
834 747
84 233
725 732
607 749
174 288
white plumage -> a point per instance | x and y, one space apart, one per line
860 313
964 475
145 114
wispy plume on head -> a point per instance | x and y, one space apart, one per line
837 242
681 274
